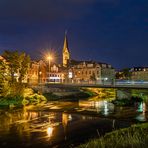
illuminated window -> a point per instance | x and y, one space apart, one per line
70 75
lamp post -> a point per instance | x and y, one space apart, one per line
49 62
40 77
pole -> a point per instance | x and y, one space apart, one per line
49 70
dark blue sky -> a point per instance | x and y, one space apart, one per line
112 31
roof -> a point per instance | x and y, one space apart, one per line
75 62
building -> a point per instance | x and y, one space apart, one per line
139 73
66 53
42 72
33 73
90 72
55 75
37 73
107 73
86 71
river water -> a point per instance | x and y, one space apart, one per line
65 124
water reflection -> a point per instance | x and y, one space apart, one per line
141 107
32 127
49 131
142 110
106 110
104 93
103 107
29 126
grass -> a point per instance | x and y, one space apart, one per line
132 137
11 102
28 98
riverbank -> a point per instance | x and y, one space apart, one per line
135 136
20 101
31 97
9 102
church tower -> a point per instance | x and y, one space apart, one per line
66 53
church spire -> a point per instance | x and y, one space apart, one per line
66 53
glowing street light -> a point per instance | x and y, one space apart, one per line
50 131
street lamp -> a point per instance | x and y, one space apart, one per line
40 77
49 58
49 61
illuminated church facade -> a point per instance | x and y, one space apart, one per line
65 53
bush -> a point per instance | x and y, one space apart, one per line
127 102
34 99
11 101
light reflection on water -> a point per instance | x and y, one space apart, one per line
142 110
33 126
49 131
103 107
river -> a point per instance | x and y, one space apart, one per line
65 124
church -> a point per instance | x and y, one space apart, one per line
65 52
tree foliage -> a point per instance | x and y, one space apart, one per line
124 74
4 78
13 70
18 64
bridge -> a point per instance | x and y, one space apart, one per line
122 90
95 85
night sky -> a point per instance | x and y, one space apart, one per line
112 31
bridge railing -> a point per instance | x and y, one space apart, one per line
110 83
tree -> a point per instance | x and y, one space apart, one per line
17 67
119 75
24 62
18 64
4 78
126 73
12 59
93 77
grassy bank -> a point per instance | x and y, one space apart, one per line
19 101
28 97
132 137
11 102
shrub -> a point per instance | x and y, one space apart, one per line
34 99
